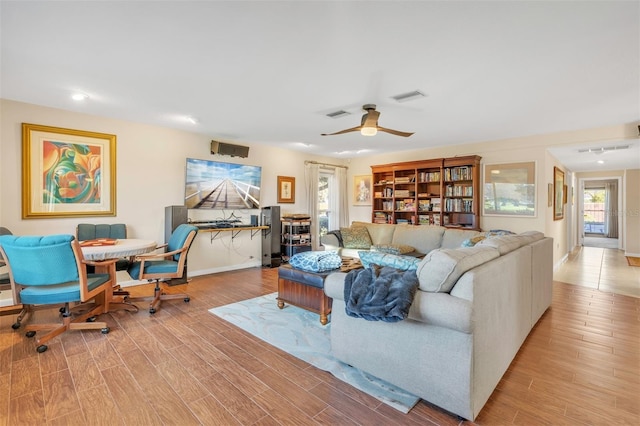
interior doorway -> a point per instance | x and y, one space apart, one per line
599 205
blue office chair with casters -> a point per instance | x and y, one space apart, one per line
5 284
164 266
116 231
49 271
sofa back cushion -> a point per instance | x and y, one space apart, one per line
453 238
441 268
423 238
380 233
503 243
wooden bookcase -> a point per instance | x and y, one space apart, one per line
439 191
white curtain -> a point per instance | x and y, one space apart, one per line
311 181
611 209
342 194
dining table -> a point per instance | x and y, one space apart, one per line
106 249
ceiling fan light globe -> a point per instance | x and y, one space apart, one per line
368 131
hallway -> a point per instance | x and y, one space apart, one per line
605 269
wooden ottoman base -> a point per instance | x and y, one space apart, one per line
304 296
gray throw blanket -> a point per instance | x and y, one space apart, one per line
379 293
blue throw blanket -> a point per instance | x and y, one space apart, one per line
379 294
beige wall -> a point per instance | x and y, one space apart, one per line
150 176
150 172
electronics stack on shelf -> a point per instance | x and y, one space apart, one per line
296 235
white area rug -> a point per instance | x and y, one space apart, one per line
300 333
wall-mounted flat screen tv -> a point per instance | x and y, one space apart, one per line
218 185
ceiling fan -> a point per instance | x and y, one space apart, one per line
369 125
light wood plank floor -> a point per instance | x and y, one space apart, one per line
580 365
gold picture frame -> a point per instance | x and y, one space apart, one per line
362 185
286 189
558 194
67 172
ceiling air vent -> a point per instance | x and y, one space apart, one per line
338 114
409 96
604 149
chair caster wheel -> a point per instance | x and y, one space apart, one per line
91 319
42 348
30 333
186 300
152 310
16 325
105 330
61 310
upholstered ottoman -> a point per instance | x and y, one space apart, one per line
305 290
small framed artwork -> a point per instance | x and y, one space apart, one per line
558 194
286 189
362 190
67 173
509 189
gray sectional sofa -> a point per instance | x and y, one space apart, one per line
471 313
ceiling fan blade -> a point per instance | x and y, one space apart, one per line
353 129
395 132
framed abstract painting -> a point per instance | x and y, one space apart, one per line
67 173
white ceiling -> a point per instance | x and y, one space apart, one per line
268 72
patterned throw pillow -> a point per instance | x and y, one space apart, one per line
356 238
403 263
392 248
316 261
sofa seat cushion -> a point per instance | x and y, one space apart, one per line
356 237
316 261
443 310
404 263
424 237
441 268
393 248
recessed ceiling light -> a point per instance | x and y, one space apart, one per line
600 161
191 120
79 96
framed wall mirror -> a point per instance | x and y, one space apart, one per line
510 189
558 194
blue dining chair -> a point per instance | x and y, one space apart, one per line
164 266
91 231
4 276
49 271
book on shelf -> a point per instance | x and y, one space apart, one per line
401 193
435 219
402 221
435 203
424 205
423 219
405 179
